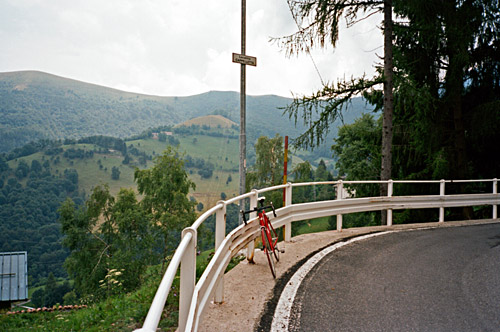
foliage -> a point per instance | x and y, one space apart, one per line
448 77
51 107
323 108
106 142
446 86
319 22
303 172
268 168
28 218
108 235
357 149
52 293
115 173
165 188
121 312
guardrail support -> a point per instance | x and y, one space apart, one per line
220 234
251 244
288 202
340 190
187 278
495 191
441 193
390 184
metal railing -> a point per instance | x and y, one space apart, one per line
193 297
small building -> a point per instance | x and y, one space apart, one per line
13 277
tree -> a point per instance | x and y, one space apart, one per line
323 192
357 149
72 175
3 164
358 153
126 159
111 239
115 173
268 168
456 62
303 172
323 18
85 263
165 188
36 167
22 169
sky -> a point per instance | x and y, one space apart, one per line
176 47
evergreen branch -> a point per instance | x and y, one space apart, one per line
325 106
323 17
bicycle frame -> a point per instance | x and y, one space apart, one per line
266 225
268 233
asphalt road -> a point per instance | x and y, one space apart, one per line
428 280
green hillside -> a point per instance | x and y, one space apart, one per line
96 167
211 121
36 105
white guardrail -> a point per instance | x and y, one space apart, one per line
193 297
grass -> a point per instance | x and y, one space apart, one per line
312 226
222 152
124 312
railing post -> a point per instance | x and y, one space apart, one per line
187 278
441 193
390 184
288 202
340 190
495 191
220 234
251 244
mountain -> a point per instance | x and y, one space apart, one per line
36 105
212 121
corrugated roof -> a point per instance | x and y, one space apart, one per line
13 276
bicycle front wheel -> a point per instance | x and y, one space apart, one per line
268 249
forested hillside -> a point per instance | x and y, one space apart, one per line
37 178
53 150
36 105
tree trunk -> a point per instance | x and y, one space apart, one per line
454 83
386 166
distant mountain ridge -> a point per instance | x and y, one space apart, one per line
36 105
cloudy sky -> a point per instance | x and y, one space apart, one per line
174 47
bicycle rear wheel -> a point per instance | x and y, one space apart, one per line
268 249
275 239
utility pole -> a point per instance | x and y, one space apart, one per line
243 60
243 135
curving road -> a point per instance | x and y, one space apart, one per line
445 279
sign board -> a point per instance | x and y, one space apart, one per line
245 59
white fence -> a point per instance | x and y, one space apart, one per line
194 296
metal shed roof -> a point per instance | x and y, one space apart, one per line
13 276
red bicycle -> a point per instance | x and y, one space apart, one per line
268 233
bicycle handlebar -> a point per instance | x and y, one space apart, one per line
258 210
